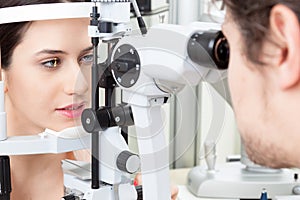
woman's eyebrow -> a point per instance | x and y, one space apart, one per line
53 51
50 51
87 49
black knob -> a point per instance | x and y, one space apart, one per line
5 180
69 197
89 120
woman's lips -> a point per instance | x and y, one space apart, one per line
71 111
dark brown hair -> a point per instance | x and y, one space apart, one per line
11 34
252 18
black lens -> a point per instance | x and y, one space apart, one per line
209 49
222 52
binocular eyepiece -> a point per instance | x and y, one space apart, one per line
209 49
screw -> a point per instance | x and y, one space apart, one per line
161 18
132 82
117 119
88 120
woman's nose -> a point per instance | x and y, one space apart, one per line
75 81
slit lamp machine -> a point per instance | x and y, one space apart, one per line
148 68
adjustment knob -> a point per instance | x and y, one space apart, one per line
89 120
128 162
296 190
69 197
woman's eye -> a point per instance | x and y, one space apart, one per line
53 63
87 59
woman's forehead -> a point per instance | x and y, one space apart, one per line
59 25
69 35
72 20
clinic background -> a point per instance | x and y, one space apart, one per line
198 112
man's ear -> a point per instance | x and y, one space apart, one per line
284 26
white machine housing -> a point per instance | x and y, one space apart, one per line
164 69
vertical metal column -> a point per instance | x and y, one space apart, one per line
95 102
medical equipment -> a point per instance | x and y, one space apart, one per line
147 6
239 179
148 69
144 91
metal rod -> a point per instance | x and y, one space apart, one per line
95 106
95 101
110 99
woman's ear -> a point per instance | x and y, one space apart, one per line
3 78
2 74
284 26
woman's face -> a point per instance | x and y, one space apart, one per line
46 83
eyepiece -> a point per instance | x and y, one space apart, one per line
209 49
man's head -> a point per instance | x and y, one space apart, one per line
264 77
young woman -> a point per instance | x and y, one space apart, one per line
44 65
41 63
264 77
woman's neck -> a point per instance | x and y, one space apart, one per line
37 177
